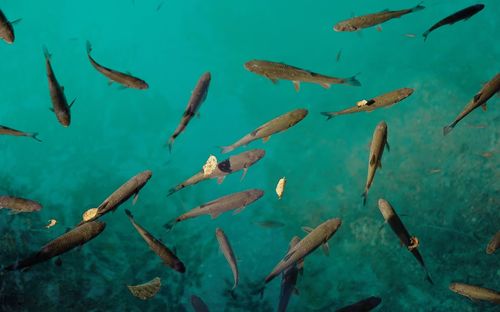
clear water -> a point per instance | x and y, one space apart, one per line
116 133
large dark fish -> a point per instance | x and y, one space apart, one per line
17 205
168 257
264 132
475 292
384 100
125 80
234 163
365 21
198 96
480 99
64 243
198 304
364 305
379 141
9 131
464 14
280 71
227 250
6 29
289 279
400 230
59 103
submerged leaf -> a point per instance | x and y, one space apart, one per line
146 290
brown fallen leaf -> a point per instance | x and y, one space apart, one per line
146 290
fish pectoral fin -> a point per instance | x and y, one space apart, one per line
51 109
484 107
387 146
220 179
238 210
379 28
296 85
307 229
13 212
245 170
215 214
379 164
325 85
266 139
373 160
72 102
326 248
110 82
136 197
275 81
477 96
14 22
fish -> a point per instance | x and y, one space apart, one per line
168 257
198 304
463 14
493 244
236 201
367 304
147 290
226 249
77 236
315 237
480 99
475 292
18 205
131 188
279 71
264 132
369 20
59 103
384 100
270 224
6 29
123 79
9 131
198 96
280 187
234 163
289 279
379 141
411 242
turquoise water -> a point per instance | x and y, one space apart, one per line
446 189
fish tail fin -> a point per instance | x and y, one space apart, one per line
170 224
364 195
425 35
129 214
226 149
328 115
447 129
88 46
170 143
352 81
173 190
46 52
428 277
34 136
261 290
418 7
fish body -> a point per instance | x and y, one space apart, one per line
226 249
264 132
318 236
125 80
198 96
289 279
367 304
280 71
59 103
17 205
400 230
198 304
9 131
168 257
480 99
6 29
384 100
76 237
379 141
369 20
233 164
493 244
475 292
464 14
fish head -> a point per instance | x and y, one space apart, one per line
331 226
142 85
381 127
296 116
64 118
254 156
179 267
385 208
406 92
344 26
254 66
144 176
8 34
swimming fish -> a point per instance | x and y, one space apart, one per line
264 132
475 292
6 29
198 304
226 249
236 201
384 100
365 21
233 164
289 279
280 71
493 244
198 96
168 257
280 187
379 141
125 80
411 242
316 237
367 304
18 205
8 131
147 290
480 99
464 14
59 103
75 237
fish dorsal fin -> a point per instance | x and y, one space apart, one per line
307 229
326 248
373 160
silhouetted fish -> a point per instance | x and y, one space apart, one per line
9 131
6 29
364 305
17 205
464 14
289 279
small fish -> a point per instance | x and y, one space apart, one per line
379 141
18 205
493 244
147 290
125 80
480 99
280 187
59 103
339 54
475 292
226 249
234 163
8 131
77 236
264 132
198 96
6 29
364 305
52 222
280 71
198 304
365 21
289 279
210 165
168 257
316 237
270 224
411 242
464 14
384 100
